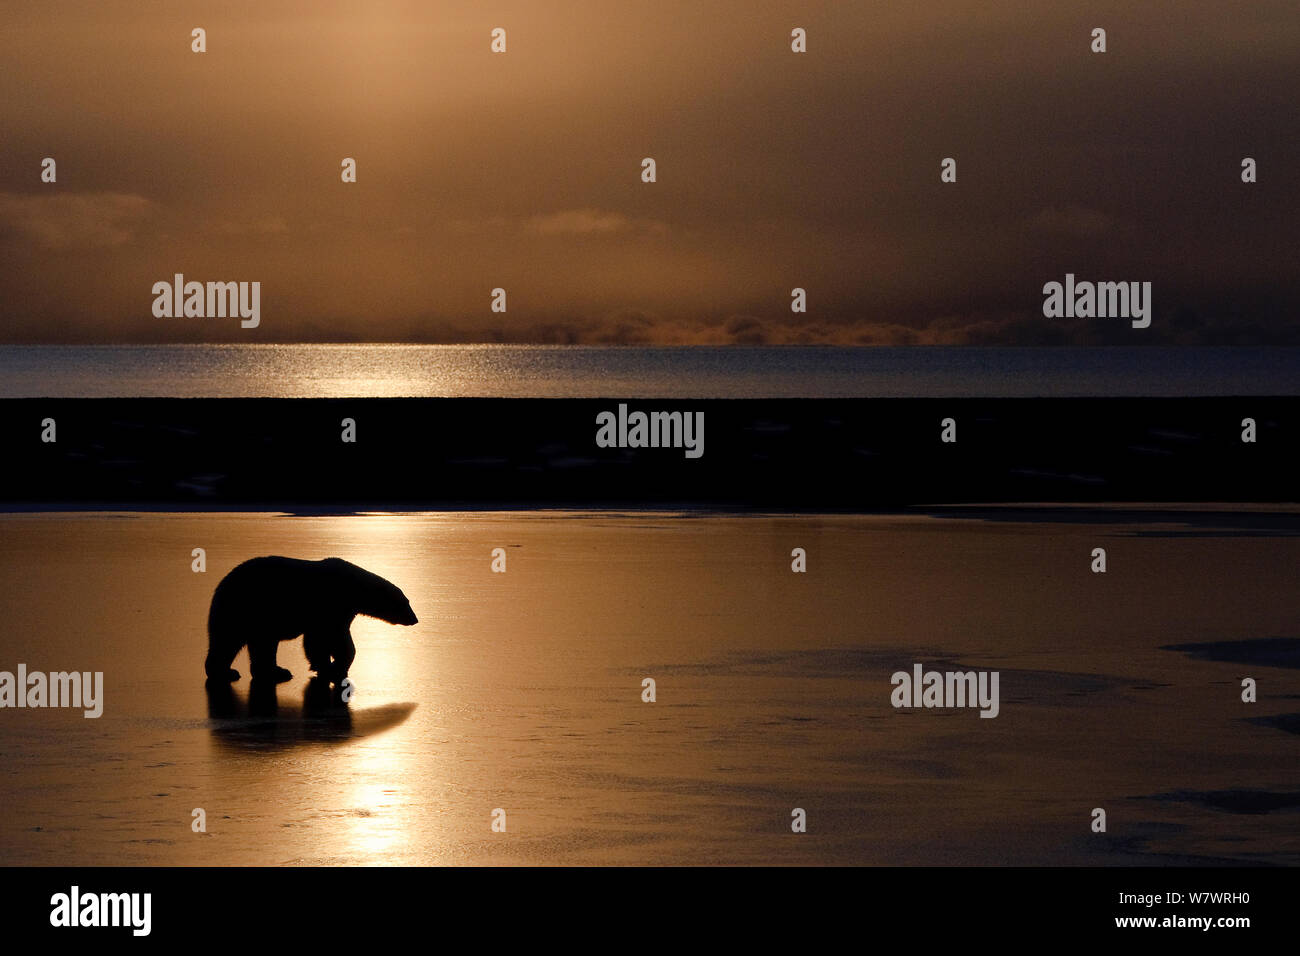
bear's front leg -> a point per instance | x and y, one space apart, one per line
345 652
317 649
261 659
321 646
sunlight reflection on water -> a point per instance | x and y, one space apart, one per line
529 371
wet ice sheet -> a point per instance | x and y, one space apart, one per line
522 691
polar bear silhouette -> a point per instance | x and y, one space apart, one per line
268 600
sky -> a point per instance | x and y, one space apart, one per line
775 170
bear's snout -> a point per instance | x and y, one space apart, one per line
409 617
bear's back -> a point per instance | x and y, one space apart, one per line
277 591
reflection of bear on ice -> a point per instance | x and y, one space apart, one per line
268 600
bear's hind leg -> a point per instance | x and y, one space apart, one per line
261 659
221 654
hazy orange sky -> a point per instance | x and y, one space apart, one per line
775 170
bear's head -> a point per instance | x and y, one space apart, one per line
372 595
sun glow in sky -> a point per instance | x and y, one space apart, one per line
521 170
